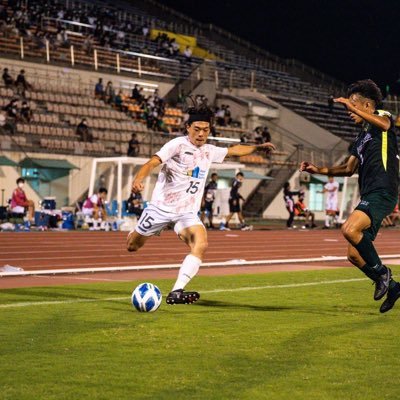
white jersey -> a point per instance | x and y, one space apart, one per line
180 184
332 197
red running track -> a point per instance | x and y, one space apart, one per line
67 250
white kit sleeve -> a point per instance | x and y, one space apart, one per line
218 154
167 151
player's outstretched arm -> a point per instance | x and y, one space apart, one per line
244 150
346 169
382 122
145 171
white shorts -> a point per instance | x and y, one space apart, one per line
18 210
154 220
331 205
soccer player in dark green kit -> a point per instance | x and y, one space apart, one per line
375 154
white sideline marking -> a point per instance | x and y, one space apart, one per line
239 289
331 240
174 266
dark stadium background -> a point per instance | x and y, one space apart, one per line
349 40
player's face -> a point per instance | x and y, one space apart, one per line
198 132
362 104
330 179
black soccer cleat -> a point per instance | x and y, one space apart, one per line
181 297
391 298
382 286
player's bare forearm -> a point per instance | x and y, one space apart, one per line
345 169
244 150
144 172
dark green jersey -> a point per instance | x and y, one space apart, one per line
378 158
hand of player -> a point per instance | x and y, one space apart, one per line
308 167
266 146
137 186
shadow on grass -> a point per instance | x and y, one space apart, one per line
320 310
224 304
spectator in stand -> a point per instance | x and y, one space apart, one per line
62 38
258 135
12 109
188 54
145 31
243 138
174 48
20 203
99 89
22 84
136 94
133 146
228 116
119 102
266 136
220 115
87 45
83 131
25 112
134 205
109 93
7 79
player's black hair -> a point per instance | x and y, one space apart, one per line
368 89
103 190
20 180
240 174
199 112
213 174
286 185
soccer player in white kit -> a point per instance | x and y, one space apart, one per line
331 204
178 193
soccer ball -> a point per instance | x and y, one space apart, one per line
146 297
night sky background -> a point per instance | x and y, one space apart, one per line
348 40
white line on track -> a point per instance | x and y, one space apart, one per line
239 289
225 263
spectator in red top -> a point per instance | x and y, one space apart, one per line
19 201
94 205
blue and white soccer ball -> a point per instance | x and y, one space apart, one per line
146 297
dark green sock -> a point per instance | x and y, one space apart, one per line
370 272
370 256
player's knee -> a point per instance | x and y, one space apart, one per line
133 246
350 232
201 247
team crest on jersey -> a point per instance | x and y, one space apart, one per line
196 173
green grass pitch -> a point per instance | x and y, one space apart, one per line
296 336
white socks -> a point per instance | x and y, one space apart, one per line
327 220
188 270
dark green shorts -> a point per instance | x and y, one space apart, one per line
377 205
